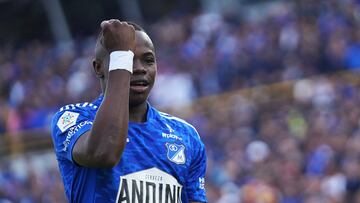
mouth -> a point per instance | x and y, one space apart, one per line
139 86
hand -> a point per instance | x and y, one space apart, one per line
117 36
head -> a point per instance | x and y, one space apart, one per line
144 66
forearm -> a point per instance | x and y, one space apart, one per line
107 139
104 144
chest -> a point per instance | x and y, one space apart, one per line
149 147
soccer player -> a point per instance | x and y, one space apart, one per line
119 148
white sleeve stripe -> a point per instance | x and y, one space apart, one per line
178 119
73 106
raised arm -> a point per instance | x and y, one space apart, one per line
102 146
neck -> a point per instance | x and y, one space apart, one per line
137 113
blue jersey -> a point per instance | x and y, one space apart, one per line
164 160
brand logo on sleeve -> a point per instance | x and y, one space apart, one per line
152 186
67 120
202 183
176 153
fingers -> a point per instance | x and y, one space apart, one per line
112 24
117 35
106 23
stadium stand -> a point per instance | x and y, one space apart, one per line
275 100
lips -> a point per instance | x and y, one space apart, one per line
139 86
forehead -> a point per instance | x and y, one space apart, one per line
143 42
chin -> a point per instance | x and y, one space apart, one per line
137 100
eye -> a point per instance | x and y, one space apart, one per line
150 60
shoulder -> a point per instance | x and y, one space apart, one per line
71 114
176 122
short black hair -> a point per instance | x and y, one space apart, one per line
100 50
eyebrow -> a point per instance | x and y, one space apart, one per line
148 53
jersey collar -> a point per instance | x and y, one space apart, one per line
150 114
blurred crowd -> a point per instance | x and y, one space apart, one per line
31 178
302 147
260 148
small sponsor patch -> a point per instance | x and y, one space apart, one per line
202 183
176 153
67 120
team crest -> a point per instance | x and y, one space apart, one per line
176 153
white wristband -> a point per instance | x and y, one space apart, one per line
121 60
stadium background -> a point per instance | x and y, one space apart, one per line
272 87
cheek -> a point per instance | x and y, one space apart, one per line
153 72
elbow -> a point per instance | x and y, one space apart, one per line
98 159
107 156
109 162
108 159
107 152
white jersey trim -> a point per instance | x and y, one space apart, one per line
168 116
73 106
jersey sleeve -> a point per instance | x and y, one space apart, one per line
196 181
66 128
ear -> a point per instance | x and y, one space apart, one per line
97 65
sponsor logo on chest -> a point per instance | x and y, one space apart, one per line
151 186
171 134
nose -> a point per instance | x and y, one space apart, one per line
138 67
